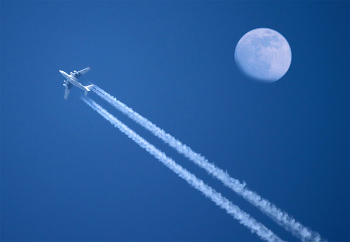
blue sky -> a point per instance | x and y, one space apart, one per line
67 174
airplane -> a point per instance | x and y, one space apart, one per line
72 80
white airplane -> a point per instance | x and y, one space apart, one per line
72 80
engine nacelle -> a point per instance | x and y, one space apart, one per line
64 84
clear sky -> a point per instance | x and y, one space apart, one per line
67 174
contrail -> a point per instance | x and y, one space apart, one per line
244 218
276 214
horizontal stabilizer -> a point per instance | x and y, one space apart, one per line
88 88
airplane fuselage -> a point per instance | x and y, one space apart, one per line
72 79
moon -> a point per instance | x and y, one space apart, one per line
263 54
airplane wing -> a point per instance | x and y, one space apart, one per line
81 72
68 87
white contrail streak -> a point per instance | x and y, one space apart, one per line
191 179
276 214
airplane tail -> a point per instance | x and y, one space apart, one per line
88 88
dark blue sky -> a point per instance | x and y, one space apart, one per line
67 174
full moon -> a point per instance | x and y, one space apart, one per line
263 54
